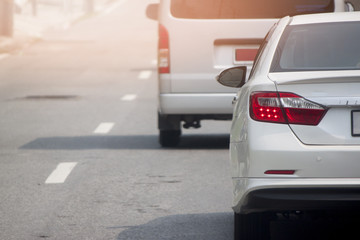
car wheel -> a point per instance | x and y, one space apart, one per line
169 138
253 226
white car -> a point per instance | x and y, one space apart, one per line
295 136
197 40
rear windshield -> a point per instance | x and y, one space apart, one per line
316 47
223 9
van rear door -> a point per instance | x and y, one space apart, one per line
207 36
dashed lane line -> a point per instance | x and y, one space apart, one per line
104 128
129 97
61 172
144 74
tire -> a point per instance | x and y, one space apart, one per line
253 226
169 138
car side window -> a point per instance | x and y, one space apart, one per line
261 49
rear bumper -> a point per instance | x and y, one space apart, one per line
208 103
303 199
299 195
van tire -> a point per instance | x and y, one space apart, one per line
169 138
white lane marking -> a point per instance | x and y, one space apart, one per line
108 10
104 128
3 56
61 172
129 97
144 74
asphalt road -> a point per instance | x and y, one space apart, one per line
79 155
82 103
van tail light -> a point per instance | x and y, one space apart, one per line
163 50
287 108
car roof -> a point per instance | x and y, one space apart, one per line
325 18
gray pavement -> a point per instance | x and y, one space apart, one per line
55 94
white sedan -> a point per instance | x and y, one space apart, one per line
295 137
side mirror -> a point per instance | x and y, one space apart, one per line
152 11
233 77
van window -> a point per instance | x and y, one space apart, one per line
225 9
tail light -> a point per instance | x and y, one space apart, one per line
163 54
287 108
280 172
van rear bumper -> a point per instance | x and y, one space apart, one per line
193 103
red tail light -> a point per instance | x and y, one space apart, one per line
287 108
281 172
163 54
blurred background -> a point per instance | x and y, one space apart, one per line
21 19
29 17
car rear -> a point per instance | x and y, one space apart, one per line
303 143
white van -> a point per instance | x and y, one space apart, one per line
198 39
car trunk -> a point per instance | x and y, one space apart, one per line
339 92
